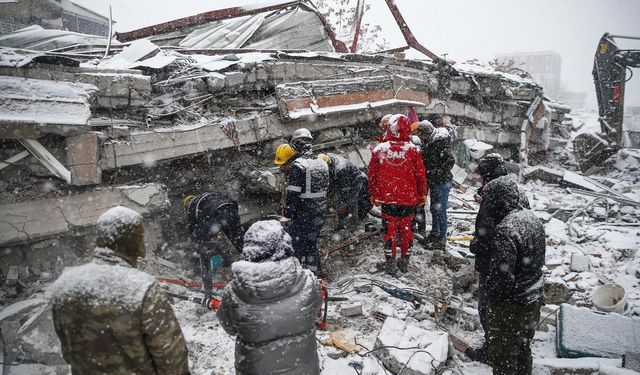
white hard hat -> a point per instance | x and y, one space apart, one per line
302 133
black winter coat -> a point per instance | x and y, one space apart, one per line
307 189
514 255
208 214
437 156
485 231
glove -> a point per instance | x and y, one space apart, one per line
422 200
373 200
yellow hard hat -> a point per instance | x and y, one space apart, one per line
186 200
284 152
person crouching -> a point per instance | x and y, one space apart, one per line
271 305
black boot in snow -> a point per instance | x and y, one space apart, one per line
403 264
391 267
438 244
382 266
428 240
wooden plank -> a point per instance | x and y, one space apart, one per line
14 159
47 159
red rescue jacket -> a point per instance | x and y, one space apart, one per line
396 171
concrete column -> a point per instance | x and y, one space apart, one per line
82 157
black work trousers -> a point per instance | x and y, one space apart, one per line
511 330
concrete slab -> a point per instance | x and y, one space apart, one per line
36 220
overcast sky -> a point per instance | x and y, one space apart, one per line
463 29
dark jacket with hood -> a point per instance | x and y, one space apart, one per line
490 167
271 305
515 253
437 156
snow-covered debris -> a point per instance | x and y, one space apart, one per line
130 55
584 333
42 102
421 351
580 263
477 148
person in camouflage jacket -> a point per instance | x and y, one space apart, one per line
112 318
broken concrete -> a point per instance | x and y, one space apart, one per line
580 366
556 293
631 361
580 263
353 310
543 174
398 333
31 107
591 150
38 220
37 339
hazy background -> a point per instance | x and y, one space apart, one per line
463 29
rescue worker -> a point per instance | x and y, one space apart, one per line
301 140
347 183
271 305
489 168
438 160
112 318
444 121
306 201
513 276
209 217
397 183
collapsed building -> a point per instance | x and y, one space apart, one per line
200 103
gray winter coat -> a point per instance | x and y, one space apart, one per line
271 307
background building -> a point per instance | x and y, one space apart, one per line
51 14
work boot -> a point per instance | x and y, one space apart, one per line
437 244
403 264
428 239
391 267
382 266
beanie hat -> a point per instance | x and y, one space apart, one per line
266 241
302 133
121 229
425 126
491 166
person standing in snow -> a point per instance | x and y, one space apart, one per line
112 318
271 305
397 182
489 168
438 160
306 200
347 184
514 281
209 217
